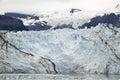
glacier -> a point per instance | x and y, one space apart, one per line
61 51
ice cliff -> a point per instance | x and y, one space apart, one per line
93 50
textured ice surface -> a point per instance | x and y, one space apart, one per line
95 50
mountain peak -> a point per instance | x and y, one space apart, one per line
73 10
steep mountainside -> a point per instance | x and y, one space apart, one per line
70 18
9 23
106 19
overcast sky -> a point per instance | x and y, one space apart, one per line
35 5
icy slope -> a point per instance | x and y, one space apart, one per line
95 50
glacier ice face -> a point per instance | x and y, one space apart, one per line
94 50
14 60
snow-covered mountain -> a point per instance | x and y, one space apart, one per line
70 18
110 16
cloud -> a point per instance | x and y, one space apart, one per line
94 4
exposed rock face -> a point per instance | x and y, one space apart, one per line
9 23
117 6
95 50
37 26
74 10
107 18
64 26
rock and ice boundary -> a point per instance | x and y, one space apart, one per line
62 51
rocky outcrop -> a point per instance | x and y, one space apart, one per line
9 23
69 26
74 10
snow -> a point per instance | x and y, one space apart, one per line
61 17
28 21
115 9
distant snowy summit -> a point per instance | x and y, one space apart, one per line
117 6
74 10
71 18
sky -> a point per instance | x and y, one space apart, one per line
36 5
